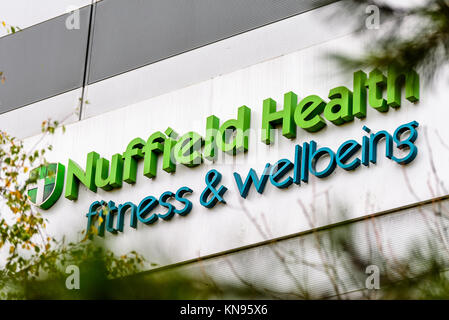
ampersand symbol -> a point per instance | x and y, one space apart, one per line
213 178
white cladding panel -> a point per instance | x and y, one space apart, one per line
204 231
228 55
27 121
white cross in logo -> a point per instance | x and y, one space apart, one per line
40 190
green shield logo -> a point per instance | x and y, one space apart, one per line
48 182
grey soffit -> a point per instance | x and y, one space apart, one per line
42 61
48 59
134 33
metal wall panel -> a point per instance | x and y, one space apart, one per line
131 34
289 268
42 61
223 57
48 59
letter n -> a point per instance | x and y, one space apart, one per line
75 175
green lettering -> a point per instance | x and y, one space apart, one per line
339 109
376 83
359 96
105 180
240 126
75 175
153 147
395 81
307 114
271 117
132 154
210 145
187 150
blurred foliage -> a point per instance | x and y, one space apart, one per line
410 36
418 271
10 28
96 283
28 254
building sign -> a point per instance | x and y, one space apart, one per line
311 113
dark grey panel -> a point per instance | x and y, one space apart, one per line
48 59
42 61
133 33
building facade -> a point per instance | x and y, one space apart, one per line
223 137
